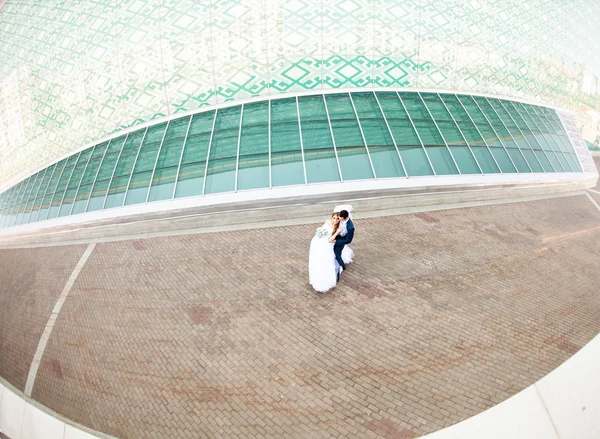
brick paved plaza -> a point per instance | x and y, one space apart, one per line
442 315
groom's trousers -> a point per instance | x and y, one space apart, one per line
337 249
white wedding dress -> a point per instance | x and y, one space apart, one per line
321 261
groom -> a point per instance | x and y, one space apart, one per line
344 237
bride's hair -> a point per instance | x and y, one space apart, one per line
335 226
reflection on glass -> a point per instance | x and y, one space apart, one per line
293 141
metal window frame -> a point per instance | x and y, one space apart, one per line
237 158
269 140
36 195
212 132
112 175
481 135
301 141
45 193
465 138
13 202
509 133
38 183
496 133
26 195
362 134
523 134
27 188
181 156
53 190
442 135
68 181
95 177
137 156
533 132
391 134
416 132
333 139
552 138
80 180
162 142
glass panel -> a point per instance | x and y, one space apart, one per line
489 136
451 134
366 105
286 152
138 188
574 162
554 161
351 150
190 180
81 199
177 128
170 153
415 107
471 134
413 155
155 133
196 149
465 160
441 160
67 203
518 160
149 149
116 193
436 107
223 152
220 176
33 195
201 123
543 159
284 111
147 157
40 196
129 154
376 132
163 184
253 171
62 185
392 108
115 145
386 162
429 134
502 113
485 160
50 190
563 162
455 107
91 170
253 167
532 160
473 110
79 169
515 114
503 160
379 141
286 168
30 187
321 164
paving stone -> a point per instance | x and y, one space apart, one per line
31 280
220 335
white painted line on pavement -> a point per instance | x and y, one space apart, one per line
37 358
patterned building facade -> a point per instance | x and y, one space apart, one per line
72 71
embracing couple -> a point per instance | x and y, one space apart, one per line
329 252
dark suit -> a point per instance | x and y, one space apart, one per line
341 241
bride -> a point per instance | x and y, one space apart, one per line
322 266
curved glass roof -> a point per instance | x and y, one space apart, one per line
296 141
